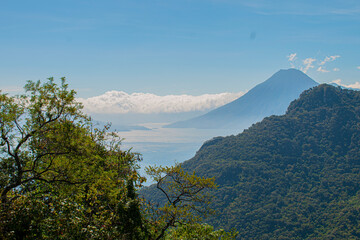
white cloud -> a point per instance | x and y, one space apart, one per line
355 85
358 67
308 62
337 81
122 102
292 57
321 69
329 59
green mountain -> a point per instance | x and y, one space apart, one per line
295 176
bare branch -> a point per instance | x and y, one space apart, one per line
161 189
21 130
44 155
27 136
6 140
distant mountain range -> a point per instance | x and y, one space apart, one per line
294 176
271 97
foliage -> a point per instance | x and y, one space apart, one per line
61 177
295 176
36 132
199 231
186 197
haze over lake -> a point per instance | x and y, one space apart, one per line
165 146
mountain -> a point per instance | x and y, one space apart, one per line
294 176
271 97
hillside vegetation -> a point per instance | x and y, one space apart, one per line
295 176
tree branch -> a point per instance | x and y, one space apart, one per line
159 187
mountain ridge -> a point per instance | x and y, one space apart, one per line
294 176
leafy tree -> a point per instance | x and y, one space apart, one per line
186 197
59 174
200 232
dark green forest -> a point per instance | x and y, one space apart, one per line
295 176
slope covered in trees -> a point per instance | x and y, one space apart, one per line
295 176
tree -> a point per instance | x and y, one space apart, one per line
59 174
37 132
199 231
186 197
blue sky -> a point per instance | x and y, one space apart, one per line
175 47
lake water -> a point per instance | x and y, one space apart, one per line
167 146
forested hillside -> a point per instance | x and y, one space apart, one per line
295 176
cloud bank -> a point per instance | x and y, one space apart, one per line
355 85
122 102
